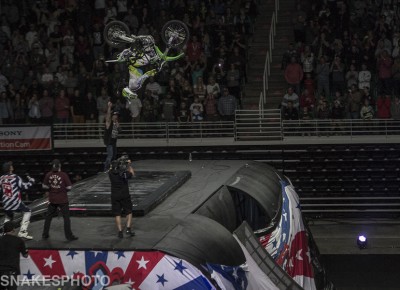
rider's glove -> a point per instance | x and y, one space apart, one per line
31 180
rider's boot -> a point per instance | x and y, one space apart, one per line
151 73
127 93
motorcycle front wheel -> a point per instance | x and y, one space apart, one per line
175 34
112 32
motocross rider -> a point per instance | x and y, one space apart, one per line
142 52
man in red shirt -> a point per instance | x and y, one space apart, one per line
58 184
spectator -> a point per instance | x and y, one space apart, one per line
183 113
154 87
287 56
200 89
366 95
102 102
307 101
20 109
290 96
90 108
306 116
62 107
3 82
290 112
384 67
168 105
47 77
227 106
364 77
366 112
323 114
213 87
194 49
383 107
395 108
298 20
135 107
352 76
196 110
354 102
71 83
294 74
148 107
131 20
77 108
322 72
307 60
337 72
198 70
233 80
210 104
337 111
309 84
46 105
5 109
396 76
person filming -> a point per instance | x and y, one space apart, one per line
120 172
11 247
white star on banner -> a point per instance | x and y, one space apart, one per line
298 255
142 263
96 252
49 262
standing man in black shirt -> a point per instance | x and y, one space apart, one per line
111 135
121 170
11 247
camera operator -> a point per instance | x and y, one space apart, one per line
10 249
120 171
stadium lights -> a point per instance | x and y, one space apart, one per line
362 242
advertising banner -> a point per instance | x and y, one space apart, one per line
26 138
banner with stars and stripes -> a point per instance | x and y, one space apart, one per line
137 270
288 243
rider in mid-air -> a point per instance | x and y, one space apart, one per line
142 52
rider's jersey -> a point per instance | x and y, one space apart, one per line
10 190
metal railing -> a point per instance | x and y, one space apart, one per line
249 125
268 57
346 127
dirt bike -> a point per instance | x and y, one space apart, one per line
143 51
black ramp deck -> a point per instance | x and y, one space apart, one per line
167 226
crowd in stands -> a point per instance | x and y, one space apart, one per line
344 61
53 52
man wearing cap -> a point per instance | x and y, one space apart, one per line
10 249
58 184
111 135
11 186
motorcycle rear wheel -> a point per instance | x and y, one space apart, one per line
113 30
175 34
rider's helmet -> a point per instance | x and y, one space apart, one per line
147 40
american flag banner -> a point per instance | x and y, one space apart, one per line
288 243
137 270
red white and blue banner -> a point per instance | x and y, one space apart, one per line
26 138
288 243
98 269
248 276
